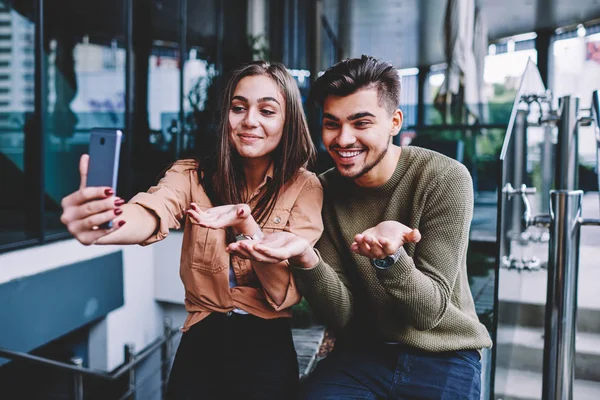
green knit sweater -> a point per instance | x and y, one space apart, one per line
424 299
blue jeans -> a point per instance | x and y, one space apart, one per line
395 372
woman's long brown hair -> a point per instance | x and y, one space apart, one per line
223 177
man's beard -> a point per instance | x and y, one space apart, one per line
369 167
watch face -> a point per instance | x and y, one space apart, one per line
241 237
382 263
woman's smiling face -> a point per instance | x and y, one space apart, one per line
256 117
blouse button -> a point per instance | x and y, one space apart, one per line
277 220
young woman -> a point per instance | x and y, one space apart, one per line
237 340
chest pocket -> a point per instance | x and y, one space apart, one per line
277 221
207 247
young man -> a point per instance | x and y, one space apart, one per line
400 305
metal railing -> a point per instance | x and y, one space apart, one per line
564 222
128 369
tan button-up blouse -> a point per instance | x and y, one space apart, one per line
204 267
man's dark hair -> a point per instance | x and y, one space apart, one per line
353 74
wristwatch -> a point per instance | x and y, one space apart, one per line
257 236
385 263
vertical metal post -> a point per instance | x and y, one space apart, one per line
295 36
220 33
125 180
345 12
77 379
286 33
422 82
179 142
474 161
595 114
543 43
561 301
34 132
166 352
567 146
315 42
129 357
518 169
547 163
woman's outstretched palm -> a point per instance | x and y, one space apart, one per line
231 215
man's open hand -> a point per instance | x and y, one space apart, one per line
384 239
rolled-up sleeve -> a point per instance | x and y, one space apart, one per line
305 217
304 221
169 199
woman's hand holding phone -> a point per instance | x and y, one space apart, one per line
90 207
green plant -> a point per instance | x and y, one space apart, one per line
302 315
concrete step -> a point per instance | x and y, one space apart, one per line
515 384
307 343
532 315
530 286
522 348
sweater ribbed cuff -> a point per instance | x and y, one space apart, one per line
399 270
310 275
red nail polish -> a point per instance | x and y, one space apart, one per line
118 211
109 192
121 223
119 202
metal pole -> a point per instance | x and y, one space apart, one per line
129 357
179 142
77 379
125 182
314 35
595 114
35 133
547 163
567 146
220 29
518 171
561 301
166 352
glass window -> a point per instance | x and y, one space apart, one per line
16 110
576 72
201 97
409 95
85 80
502 74
433 83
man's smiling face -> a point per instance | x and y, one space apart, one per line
357 131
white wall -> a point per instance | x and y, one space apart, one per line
167 283
147 270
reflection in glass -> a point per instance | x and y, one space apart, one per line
576 72
16 107
200 92
86 89
526 159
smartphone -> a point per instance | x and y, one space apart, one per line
103 167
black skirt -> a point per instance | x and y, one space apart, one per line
234 356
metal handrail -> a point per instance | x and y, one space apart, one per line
111 376
457 127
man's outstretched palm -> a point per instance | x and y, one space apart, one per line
384 239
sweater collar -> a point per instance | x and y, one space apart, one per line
394 181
